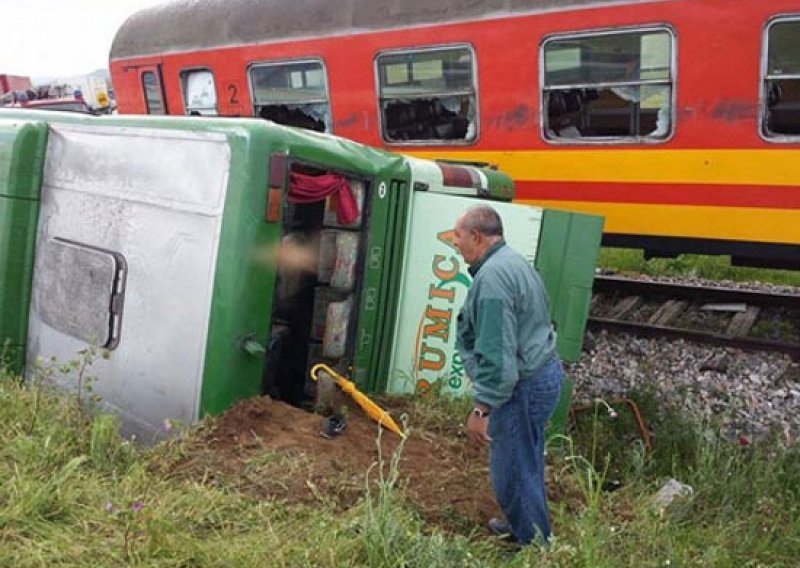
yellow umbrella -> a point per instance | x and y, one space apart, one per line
374 411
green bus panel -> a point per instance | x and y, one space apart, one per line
567 257
243 289
22 149
390 288
501 187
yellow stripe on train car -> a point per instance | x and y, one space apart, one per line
712 222
714 167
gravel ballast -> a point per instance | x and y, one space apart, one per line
747 394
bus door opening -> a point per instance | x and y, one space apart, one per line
317 292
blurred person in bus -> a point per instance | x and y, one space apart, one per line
295 260
508 346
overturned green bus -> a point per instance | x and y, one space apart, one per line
143 236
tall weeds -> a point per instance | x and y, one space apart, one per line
75 493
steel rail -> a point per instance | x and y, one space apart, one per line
710 338
607 284
695 292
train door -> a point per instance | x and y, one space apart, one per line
151 86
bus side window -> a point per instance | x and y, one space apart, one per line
781 98
199 93
80 290
153 95
428 95
608 86
294 93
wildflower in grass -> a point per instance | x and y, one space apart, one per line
137 506
167 425
109 507
611 412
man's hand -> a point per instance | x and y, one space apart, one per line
476 429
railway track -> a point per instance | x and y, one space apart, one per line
744 319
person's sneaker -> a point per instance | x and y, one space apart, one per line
333 426
501 528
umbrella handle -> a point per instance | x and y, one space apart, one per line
322 367
348 387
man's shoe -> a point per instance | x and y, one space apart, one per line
501 528
333 426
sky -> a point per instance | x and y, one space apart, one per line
60 38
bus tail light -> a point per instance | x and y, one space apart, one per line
277 176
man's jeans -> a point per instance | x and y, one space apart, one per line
516 457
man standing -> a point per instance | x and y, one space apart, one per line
508 347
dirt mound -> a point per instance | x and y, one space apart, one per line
272 450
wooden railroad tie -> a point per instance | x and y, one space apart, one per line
625 306
742 322
667 312
597 300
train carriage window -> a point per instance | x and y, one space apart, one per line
199 93
608 86
428 96
153 95
781 112
293 93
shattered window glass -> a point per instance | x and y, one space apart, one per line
428 95
608 86
294 94
782 80
199 93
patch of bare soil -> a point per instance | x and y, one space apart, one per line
271 450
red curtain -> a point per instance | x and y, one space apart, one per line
309 189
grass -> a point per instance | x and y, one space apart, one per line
76 494
702 266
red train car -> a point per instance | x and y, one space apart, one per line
678 120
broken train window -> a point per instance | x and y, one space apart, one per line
781 113
611 85
428 95
293 93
